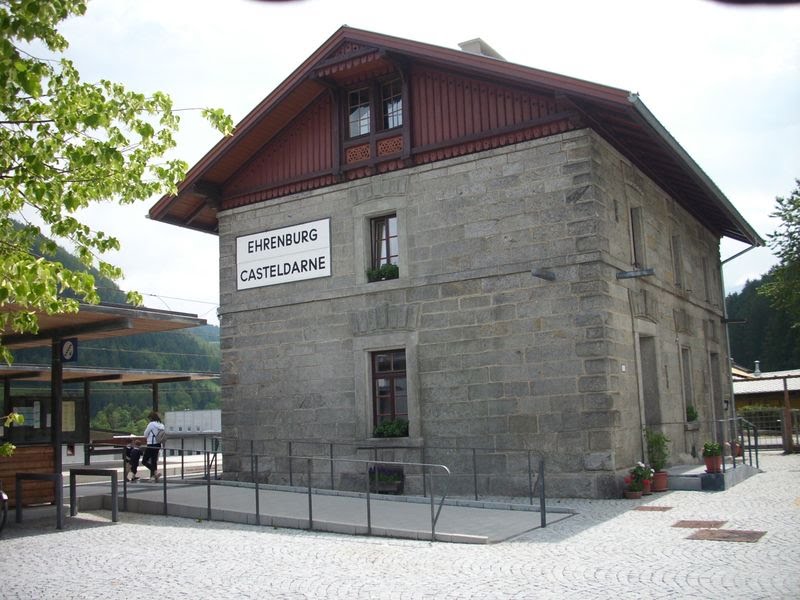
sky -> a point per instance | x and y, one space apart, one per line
724 80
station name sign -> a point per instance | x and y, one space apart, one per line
284 255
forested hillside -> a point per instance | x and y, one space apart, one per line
766 335
124 408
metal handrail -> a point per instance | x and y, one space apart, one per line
532 481
748 426
435 513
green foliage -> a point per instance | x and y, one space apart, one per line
784 288
657 450
387 271
65 144
12 418
712 449
691 413
767 333
396 428
767 419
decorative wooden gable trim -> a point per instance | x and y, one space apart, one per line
300 158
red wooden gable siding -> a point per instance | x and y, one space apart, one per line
301 157
455 115
449 108
448 115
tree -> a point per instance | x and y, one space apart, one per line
65 144
764 333
784 288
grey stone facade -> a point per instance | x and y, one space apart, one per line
498 360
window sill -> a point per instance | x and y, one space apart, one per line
693 426
392 442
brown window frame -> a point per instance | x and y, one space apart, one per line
383 100
393 375
357 99
380 245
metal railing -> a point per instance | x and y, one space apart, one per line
535 477
426 468
430 472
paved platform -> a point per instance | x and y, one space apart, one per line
407 517
737 544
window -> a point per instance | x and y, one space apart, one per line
389 386
358 110
392 102
677 261
389 113
637 238
385 246
686 373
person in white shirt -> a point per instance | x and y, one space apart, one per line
150 458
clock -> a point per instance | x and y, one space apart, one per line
69 350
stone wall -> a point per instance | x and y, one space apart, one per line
498 360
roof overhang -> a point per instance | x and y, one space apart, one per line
619 116
41 373
94 322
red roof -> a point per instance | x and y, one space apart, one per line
617 115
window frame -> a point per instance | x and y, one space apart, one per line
380 240
363 347
378 115
393 375
638 250
359 121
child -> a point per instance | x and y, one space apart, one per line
133 453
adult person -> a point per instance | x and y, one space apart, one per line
153 433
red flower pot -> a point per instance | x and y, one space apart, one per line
713 464
659 483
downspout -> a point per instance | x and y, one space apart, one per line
728 338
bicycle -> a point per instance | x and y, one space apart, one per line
3 506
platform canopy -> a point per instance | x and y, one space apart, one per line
41 373
97 321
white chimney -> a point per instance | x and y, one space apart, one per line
478 46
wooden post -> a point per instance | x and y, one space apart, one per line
788 446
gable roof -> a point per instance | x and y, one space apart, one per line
619 116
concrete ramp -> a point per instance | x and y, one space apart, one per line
397 516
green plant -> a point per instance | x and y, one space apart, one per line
712 449
12 418
396 428
691 413
387 271
657 450
637 476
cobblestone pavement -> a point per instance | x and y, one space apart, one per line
608 550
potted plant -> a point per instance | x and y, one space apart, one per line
386 479
712 456
395 428
638 481
384 272
658 454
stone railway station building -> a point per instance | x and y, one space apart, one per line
556 282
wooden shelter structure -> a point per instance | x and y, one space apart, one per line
64 333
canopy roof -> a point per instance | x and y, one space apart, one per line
94 322
41 373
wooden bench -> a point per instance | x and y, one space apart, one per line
29 459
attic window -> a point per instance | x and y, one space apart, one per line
385 100
358 110
392 101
